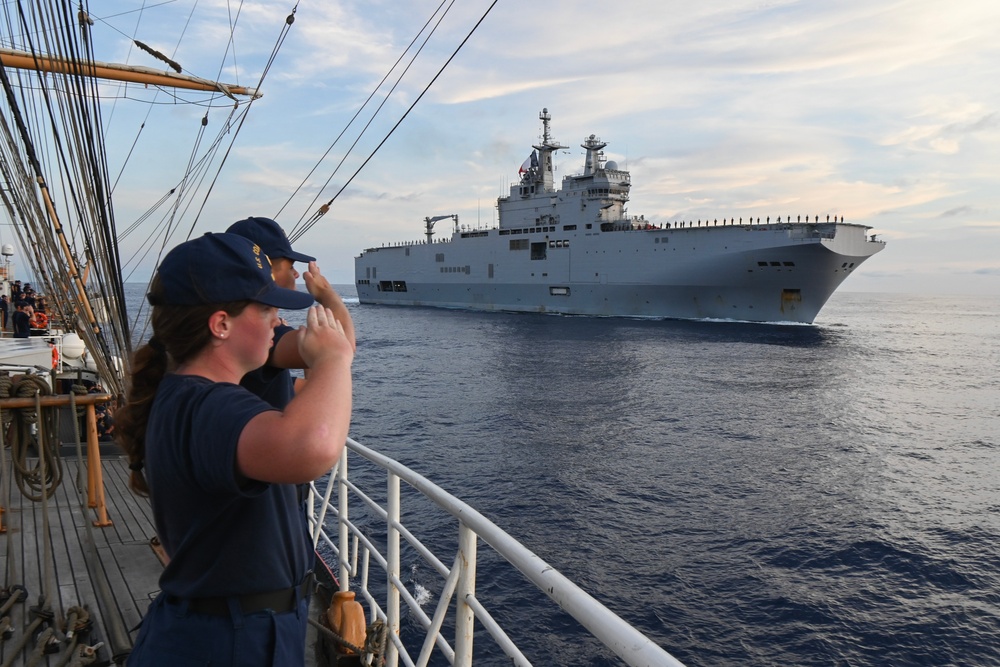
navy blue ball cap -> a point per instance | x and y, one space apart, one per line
270 236
221 268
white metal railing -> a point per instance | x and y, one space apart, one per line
353 543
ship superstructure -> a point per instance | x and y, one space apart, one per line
575 250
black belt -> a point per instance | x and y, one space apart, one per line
280 601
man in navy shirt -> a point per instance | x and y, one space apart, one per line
273 382
21 321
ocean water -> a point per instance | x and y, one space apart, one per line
744 494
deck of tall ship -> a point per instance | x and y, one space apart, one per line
78 578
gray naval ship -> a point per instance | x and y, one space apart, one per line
576 251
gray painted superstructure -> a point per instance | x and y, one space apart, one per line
575 250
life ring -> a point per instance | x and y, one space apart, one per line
55 356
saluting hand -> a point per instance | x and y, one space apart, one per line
321 290
317 284
323 338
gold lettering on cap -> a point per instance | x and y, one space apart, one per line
256 253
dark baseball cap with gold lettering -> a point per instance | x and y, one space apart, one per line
221 268
269 235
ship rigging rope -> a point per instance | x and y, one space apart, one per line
26 431
11 553
197 170
117 635
78 619
376 640
364 104
71 121
301 228
53 156
286 28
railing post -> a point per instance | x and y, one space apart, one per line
464 615
95 473
392 566
342 532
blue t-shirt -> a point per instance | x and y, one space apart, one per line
225 534
273 384
21 324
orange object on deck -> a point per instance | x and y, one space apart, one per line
346 617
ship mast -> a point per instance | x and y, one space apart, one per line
116 72
545 150
72 295
593 163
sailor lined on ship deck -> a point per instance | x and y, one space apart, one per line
24 312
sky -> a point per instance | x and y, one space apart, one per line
879 111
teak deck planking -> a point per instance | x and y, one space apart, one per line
124 557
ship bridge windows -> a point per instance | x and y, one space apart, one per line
519 244
606 193
457 269
569 228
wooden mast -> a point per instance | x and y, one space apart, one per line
116 72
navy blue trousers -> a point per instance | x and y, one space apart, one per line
173 636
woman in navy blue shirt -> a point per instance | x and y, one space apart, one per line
220 465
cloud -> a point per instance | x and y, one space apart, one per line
942 127
959 211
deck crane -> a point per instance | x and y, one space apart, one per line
429 222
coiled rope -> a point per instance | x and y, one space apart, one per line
26 435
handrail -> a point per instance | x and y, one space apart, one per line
628 643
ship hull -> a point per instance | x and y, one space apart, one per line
764 273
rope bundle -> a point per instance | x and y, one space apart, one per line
26 435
